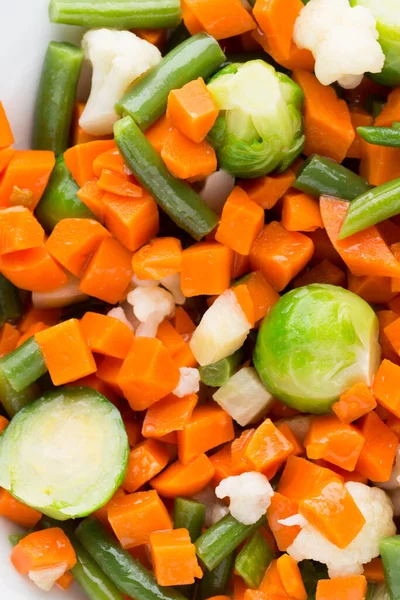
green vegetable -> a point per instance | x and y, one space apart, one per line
217 374
215 582
320 175
24 365
381 136
311 572
316 342
126 572
389 549
65 454
10 301
59 200
253 560
119 14
190 515
260 126
222 538
183 205
56 97
13 401
370 208
386 13
199 56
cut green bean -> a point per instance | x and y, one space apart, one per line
253 560
13 401
217 374
127 573
390 552
59 200
373 207
24 365
119 14
56 98
320 175
381 136
215 582
221 539
199 56
190 515
183 205
10 301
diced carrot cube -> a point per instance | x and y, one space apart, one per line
222 463
80 159
159 258
222 19
43 550
354 403
267 448
342 588
145 462
92 196
33 270
9 337
300 212
267 190
282 508
186 159
174 558
291 577
158 132
17 512
169 414
184 480
300 478
107 335
377 455
298 447
206 269
115 184
28 171
359 117
19 230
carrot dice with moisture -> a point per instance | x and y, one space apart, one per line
222 463
80 159
174 557
33 270
43 550
107 335
26 175
239 463
92 196
186 159
291 577
377 455
146 460
184 480
9 337
267 448
6 135
136 516
206 269
171 339
192 110
157 133
17 512
111 160
263 295
158 259
272 584
115 184
386 387
19 230
354 403
108 372
392 333
300 212
301 477
221 19
342 588
298 447
280 509
167 415
267 190
3 424
66 353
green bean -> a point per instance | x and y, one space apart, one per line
10 301
215 582
254 559
13 401
217 374
24 365
390 552
190 515
381 136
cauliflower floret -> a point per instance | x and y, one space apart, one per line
118 59
215 509
250 495
151 305
173 284
119 313
189 382
343 40
378 513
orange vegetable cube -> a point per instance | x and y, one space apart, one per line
66 353
19 230
300 212
282 508
222 463
359 118
159 258
145 462
6 155
158 132
169 414
9 337
92 196
246 303
373 571
49 316
379 164
6 135
291 577
183 323
354 403
80 159
65 581
385 387
102 513
136 516
192 110
268 447
272 584
277 23
240 266
174 557
148 373
342 588
28 171
391 110
111 160
263 295
377 456
184 480
3 424
106 335
323 272
35 328
186 159
300 478
115 184
392 333
171 339
33 270
206 269
266 191
43 550
16 511
221 18
239 462
108 373
108 273
298 447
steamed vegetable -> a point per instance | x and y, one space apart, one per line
254 559
315 343
381 136
10 301
260 124
390 552
218 374
216 582
88 457
24 365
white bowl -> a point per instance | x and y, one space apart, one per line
24 34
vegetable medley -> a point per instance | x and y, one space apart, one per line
200 304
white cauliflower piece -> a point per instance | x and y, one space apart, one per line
250 495
378 513
215 509
119 313
343 40
173 284
189 382
118 59
151 305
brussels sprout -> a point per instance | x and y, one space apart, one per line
316 342
387 15
260 125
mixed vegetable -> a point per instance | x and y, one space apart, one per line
200 304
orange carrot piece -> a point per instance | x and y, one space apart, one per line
394 425
148 373
262 294
49 316
169 414
280 410
3 423
19 230
28 171
92 196
102 513
43 550
107 335
35 328
65 581
299 58
159 258
136 516
191 22
323 272
359 118
111 160
276 19
298 447
280 254
324 249
239 462
6 155
192 110
73 241
6 135
221 18
300 212
354 404
66 353
222 463
392 333
108 273
33 270
377 456
17 512
106 390
385 387
146 460
184 480
239 588
208 427
206 269
365 253
379 164
9 337
266 191
327 124
171 339
108 373
186 159
157 37
373 571
240 265
300 478
342 588
158 132
183 323
272 584
291 577
267 448
373 289
113 183
241 222
79 159
245 301
391 110
282 508
174 557
132 222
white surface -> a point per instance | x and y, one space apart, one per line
24 34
